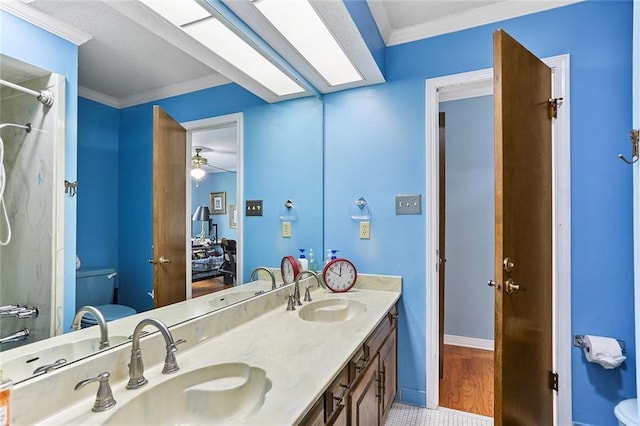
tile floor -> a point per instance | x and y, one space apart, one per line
408 415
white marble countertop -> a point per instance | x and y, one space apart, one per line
300 357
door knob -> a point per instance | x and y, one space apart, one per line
511 286
492 283
152 261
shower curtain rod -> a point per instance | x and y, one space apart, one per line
46 96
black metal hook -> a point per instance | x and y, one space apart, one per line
635 137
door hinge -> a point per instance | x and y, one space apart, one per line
553 380
553 107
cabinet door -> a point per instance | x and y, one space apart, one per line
388 373
364 400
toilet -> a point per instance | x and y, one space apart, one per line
96 288
627 412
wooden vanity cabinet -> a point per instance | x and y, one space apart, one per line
364 390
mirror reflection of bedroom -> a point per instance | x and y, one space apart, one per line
214 167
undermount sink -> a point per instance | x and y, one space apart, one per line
332 310
230 298
20 368
219 394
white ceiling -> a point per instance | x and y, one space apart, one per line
128 57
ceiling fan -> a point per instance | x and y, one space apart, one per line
198 162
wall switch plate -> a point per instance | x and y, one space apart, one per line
365 230
286 229
409 204
254 208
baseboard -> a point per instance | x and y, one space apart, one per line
468 342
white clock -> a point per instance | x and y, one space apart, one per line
339 275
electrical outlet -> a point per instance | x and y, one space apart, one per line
254 208
409 204
286 229
364 230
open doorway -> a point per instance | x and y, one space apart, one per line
436 89
467 251
214 195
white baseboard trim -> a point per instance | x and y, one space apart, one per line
468 342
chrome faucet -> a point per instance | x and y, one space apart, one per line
104 396
262 268
16 337
296 289
49 367
104 332
136 368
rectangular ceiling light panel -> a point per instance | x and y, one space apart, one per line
213 34
299 23
216 36
177 12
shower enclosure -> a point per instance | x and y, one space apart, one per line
31 262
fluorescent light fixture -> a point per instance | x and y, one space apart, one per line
299 23
177 12
213 34
221 40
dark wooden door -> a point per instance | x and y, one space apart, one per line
442 255
523 252
169 209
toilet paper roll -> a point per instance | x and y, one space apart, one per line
605 351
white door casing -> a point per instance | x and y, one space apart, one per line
477 83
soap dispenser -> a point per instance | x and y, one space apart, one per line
313 266
303 263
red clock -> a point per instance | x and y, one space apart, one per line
289 269
339 275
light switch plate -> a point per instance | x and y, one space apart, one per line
409 204
254 208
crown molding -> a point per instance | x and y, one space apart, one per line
98 97
44 21
471 18
156 94
174 90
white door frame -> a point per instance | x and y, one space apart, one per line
561 165
203 124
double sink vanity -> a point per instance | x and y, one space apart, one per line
330 361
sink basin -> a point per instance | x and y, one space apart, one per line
230 298
219 394
22 367
332 310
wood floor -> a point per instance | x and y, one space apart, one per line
467 383
202 287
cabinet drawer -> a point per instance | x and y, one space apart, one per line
357 365
336 394
377 338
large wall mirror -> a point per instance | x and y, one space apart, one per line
279 158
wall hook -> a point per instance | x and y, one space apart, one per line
635 137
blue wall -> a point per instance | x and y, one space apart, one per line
35 46
375 141
470 217
97 231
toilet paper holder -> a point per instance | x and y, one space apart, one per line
578 340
